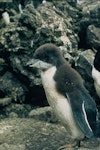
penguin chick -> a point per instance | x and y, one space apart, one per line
6 18
66 94
44 1
96 72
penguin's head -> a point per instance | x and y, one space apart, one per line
97 61
47 55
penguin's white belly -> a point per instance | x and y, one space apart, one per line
60 104
96 77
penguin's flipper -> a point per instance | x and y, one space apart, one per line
84 110
97 133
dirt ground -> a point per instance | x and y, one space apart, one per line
37 130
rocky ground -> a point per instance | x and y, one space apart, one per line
26 128
26 120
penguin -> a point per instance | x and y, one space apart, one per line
6 18
96 72
43 1
66 93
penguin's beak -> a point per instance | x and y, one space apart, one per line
36 63
32 63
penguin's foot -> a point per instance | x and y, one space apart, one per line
75 143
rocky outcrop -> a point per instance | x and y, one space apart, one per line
22 36
65 24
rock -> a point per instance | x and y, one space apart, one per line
96 148
91 11
11 88
3 66
31 18
90 16
83 65
85 61
5 101
72 3
13 115
44 114
6 146
16 111
93 37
